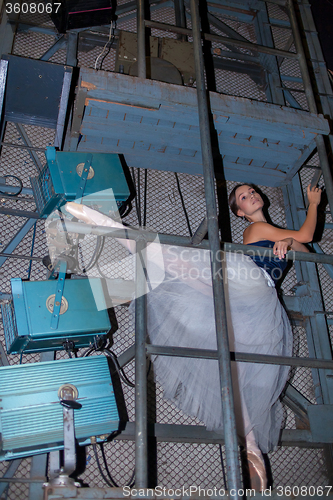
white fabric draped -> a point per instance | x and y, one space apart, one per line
180 312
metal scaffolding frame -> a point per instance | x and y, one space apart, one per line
213 231
320 350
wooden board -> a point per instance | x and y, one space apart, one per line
156 125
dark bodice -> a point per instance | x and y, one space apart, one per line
272 265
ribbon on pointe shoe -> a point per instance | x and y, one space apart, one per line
86 214
257 470
90 216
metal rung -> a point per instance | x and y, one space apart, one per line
168 239
188 352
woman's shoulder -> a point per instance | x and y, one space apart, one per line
255 232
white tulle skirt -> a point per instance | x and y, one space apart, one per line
181 313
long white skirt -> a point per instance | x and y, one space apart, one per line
181 313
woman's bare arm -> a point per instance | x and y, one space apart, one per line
281 247
264 231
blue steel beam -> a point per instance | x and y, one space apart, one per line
16 240
131 6
153 8
316 327
19 213
72 42
13 189
316 60
27 142
329 268
11 469
239 10
291 99
317 331
59 44
199 434
324 163
294 220
264 37
64 99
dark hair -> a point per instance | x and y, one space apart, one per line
232 197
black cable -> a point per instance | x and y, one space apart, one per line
112 483
100 468
139 198
145 198
223 471
112 39
114 358
87 353
107 468
125 209
183 204
131 480
108 52
118 368
19 189
149 367
135 199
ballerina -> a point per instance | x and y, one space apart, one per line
244 201
180 312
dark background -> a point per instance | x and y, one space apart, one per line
322 11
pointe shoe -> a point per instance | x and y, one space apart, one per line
87 214
257 471
78 211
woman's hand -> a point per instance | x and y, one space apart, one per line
314 195
280 248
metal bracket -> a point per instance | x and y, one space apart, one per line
68 395
84 177
58 295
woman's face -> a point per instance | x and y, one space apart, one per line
248 200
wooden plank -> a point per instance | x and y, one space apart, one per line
160 137
301 160
173 113
151 93
186 164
